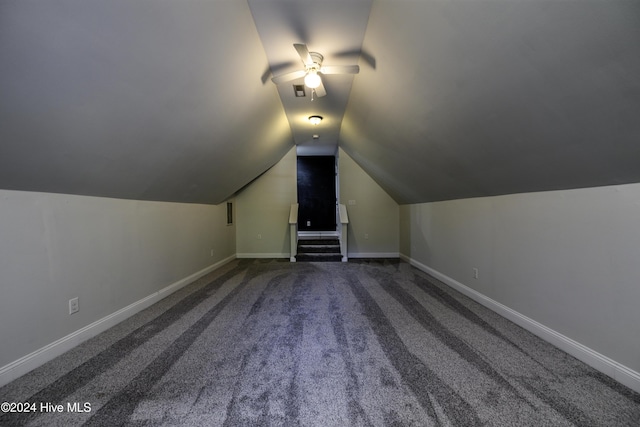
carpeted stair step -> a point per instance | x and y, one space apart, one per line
327 249
318 250
332 241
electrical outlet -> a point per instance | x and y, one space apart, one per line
259 236
476 273
73 305
366 236
211 252
308 223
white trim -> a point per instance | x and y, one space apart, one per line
265 255
50 351
293 214
373 255
607 366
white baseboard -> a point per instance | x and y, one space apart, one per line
373 254
264 255
607 366
39 357
292 259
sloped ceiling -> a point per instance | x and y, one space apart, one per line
489 97
333 28
171 100
136 99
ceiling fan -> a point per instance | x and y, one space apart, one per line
313 69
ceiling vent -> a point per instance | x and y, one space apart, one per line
299 91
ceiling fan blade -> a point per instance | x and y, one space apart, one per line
287 77
304 54
340 69
320 90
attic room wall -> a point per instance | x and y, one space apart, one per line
262 209
565 259
373 219
110 253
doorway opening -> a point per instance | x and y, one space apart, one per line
317 193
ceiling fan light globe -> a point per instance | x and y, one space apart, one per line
312 80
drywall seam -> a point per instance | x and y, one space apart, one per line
607 366
31 361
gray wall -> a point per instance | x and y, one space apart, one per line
566 259
110 253
263 211
373 219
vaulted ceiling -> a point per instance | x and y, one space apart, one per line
172 100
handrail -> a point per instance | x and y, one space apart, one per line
344 221
293 229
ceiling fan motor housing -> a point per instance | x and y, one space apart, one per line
317 60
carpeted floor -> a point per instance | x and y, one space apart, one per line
368 343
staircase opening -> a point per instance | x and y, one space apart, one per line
317 234
325 249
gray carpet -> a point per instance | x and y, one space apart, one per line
369 343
